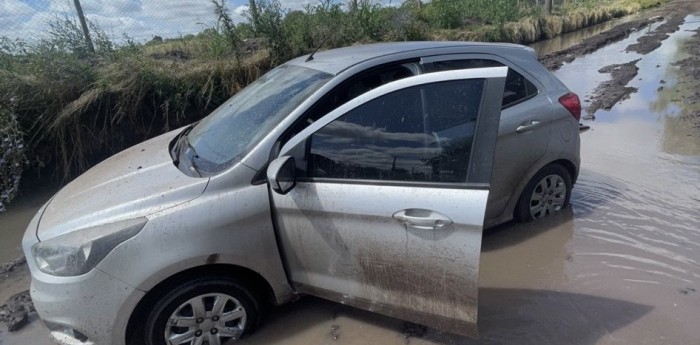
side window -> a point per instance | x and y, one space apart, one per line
355 86
422 133
517 88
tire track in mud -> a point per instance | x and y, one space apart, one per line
614 90
554 61
608 93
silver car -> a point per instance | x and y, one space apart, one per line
362 175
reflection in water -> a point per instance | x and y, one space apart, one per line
567 40
637 219
679 98
507 316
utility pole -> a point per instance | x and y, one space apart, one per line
83 22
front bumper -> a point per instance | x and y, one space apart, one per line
90 309
93 308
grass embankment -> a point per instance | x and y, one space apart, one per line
77 108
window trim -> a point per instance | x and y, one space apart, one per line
415 184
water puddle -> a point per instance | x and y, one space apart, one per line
635 232
13 222
567 40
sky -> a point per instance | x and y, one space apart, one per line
140 19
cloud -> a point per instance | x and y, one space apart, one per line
113 7
140 19
241 10
11 9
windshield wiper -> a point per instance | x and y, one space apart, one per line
193 165
177 146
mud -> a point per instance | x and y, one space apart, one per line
648 43
608 93
11 265
554 61
14 313
612 91
16 309
690 68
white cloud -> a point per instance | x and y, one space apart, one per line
9 10
141 19
241 10
60 6
297 4
113 7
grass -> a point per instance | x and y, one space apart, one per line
12 158
75 108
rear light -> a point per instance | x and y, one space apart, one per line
571 102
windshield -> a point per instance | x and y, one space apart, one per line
233 128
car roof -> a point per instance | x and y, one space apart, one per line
335 61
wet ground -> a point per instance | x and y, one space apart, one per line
621 266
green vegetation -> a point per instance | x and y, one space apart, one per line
76 108
12 158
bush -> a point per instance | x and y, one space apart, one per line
266 18
12 158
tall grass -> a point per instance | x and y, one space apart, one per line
12 157
76 108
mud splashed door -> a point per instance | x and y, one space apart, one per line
389 203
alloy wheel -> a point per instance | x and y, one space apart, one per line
548 196
209 319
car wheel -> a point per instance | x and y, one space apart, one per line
547 192
203 311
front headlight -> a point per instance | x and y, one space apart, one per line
80 251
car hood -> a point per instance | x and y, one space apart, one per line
133 183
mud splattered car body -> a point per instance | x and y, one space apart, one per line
360 175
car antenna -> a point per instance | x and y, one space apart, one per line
311 56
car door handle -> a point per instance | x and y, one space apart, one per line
526 126
422 219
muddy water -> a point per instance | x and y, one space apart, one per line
15 220
621 266
569 39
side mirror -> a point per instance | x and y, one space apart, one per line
281 174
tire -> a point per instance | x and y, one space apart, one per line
184 304
552 185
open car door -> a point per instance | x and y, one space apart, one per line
380 204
